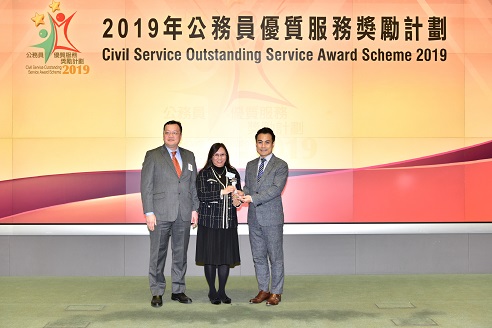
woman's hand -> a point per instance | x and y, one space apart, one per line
227 190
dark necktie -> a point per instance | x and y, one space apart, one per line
176 164
260 169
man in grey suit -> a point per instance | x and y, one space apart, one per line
170 202
265 180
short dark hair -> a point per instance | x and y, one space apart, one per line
173 122
265 131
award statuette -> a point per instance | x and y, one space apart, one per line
235 197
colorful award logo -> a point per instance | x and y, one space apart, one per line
56 36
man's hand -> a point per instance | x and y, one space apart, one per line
151 221
246 199
194 219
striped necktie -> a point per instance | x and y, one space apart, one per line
176 164
260 169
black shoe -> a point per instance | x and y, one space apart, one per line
156 301
225 299
181 298
214 300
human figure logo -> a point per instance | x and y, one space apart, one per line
53 28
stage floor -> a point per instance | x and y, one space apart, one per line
308 301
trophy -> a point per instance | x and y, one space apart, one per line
235 197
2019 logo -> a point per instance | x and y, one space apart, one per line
56 36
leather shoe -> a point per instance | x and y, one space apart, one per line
181 298
274 299
262 295
214 299
156 301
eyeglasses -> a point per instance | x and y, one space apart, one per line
169 133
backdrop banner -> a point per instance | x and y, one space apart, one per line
382 109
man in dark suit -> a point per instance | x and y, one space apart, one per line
170 202
265 180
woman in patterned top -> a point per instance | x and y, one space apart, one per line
217 245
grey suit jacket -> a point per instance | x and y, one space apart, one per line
162 191
266 208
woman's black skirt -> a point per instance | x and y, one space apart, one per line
217 246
